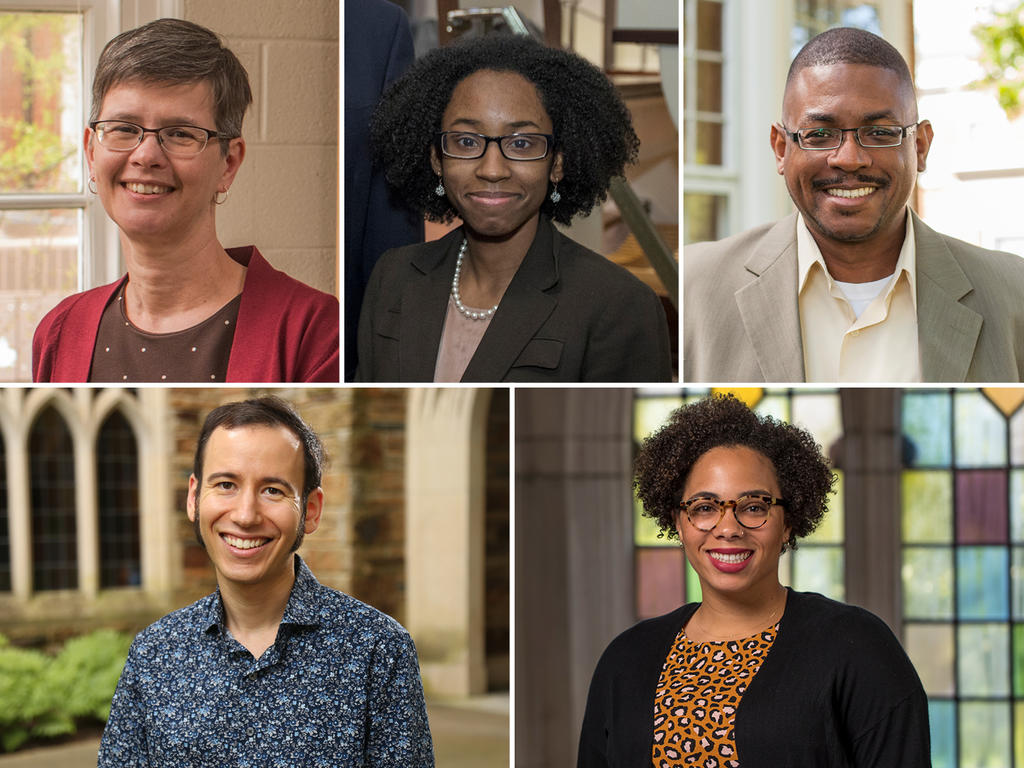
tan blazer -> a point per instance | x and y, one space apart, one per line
741 322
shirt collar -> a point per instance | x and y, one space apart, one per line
302 608
808 255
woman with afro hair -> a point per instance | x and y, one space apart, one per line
756 674
509 135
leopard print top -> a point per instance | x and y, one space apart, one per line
699 689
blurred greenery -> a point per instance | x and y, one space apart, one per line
1002 56
31 148
43 696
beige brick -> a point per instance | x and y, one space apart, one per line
317 267
297 19
249 53
283 197
301 93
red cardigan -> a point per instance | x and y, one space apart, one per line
286 331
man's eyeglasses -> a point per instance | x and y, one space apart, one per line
868 136
706 512
181 140
516 146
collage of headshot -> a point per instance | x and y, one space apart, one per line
594 383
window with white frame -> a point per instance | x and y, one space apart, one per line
54 237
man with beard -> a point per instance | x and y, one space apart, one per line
854 286
273 668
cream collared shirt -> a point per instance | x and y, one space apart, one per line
881 344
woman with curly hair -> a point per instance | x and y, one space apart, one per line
508 135
756 674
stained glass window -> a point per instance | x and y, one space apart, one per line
664 580
118 485
54 529
963 554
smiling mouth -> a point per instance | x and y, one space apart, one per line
238 543
732 559
850 193
146 189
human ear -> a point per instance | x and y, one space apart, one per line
190 502
314 508
435 161
557 174
923 142
777 139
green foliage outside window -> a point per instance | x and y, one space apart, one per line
1002 56
44 696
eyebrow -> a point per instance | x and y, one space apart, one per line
826 117
513 125
130 117
713 495
217 477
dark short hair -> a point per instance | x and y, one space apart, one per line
592 126
266 411
666 458
176 52
850 45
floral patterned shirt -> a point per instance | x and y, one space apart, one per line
340 686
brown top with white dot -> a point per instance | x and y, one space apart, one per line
123 353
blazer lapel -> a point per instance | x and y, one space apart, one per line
767 305
522 311
947 331
422 307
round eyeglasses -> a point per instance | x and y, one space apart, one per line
706 512
465 145
181 140
868 136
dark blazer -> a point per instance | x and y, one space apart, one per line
741 320
569 314
378 49
836 689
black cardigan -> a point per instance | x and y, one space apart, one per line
836 689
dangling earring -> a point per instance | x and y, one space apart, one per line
91 186
223 199
439 189
555 196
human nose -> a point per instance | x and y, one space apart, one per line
493 165
729 526
149 151
247 510
849 154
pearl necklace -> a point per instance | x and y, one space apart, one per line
471 314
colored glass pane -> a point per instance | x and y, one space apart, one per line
1018 660
649 413
984 734
981 515
694 594
1016 502
982 591
942 722
1017 438
819 569
980 431
1006 399
927 506
830 530
927 583
1018 733
1017 581
775 405
983 660
819 414
646 530
926 428
659 581
931 649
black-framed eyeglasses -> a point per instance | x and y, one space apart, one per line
868 136
751 511
465 145
181 140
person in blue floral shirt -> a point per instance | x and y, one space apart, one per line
272 669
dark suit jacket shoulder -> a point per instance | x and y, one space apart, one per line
741 318
568 315
835 676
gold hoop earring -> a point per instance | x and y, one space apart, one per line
223 199
91 185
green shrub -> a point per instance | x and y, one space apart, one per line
44 697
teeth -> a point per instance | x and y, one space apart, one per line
730 558
862 192
244 543
147 189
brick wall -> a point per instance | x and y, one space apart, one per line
285 197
